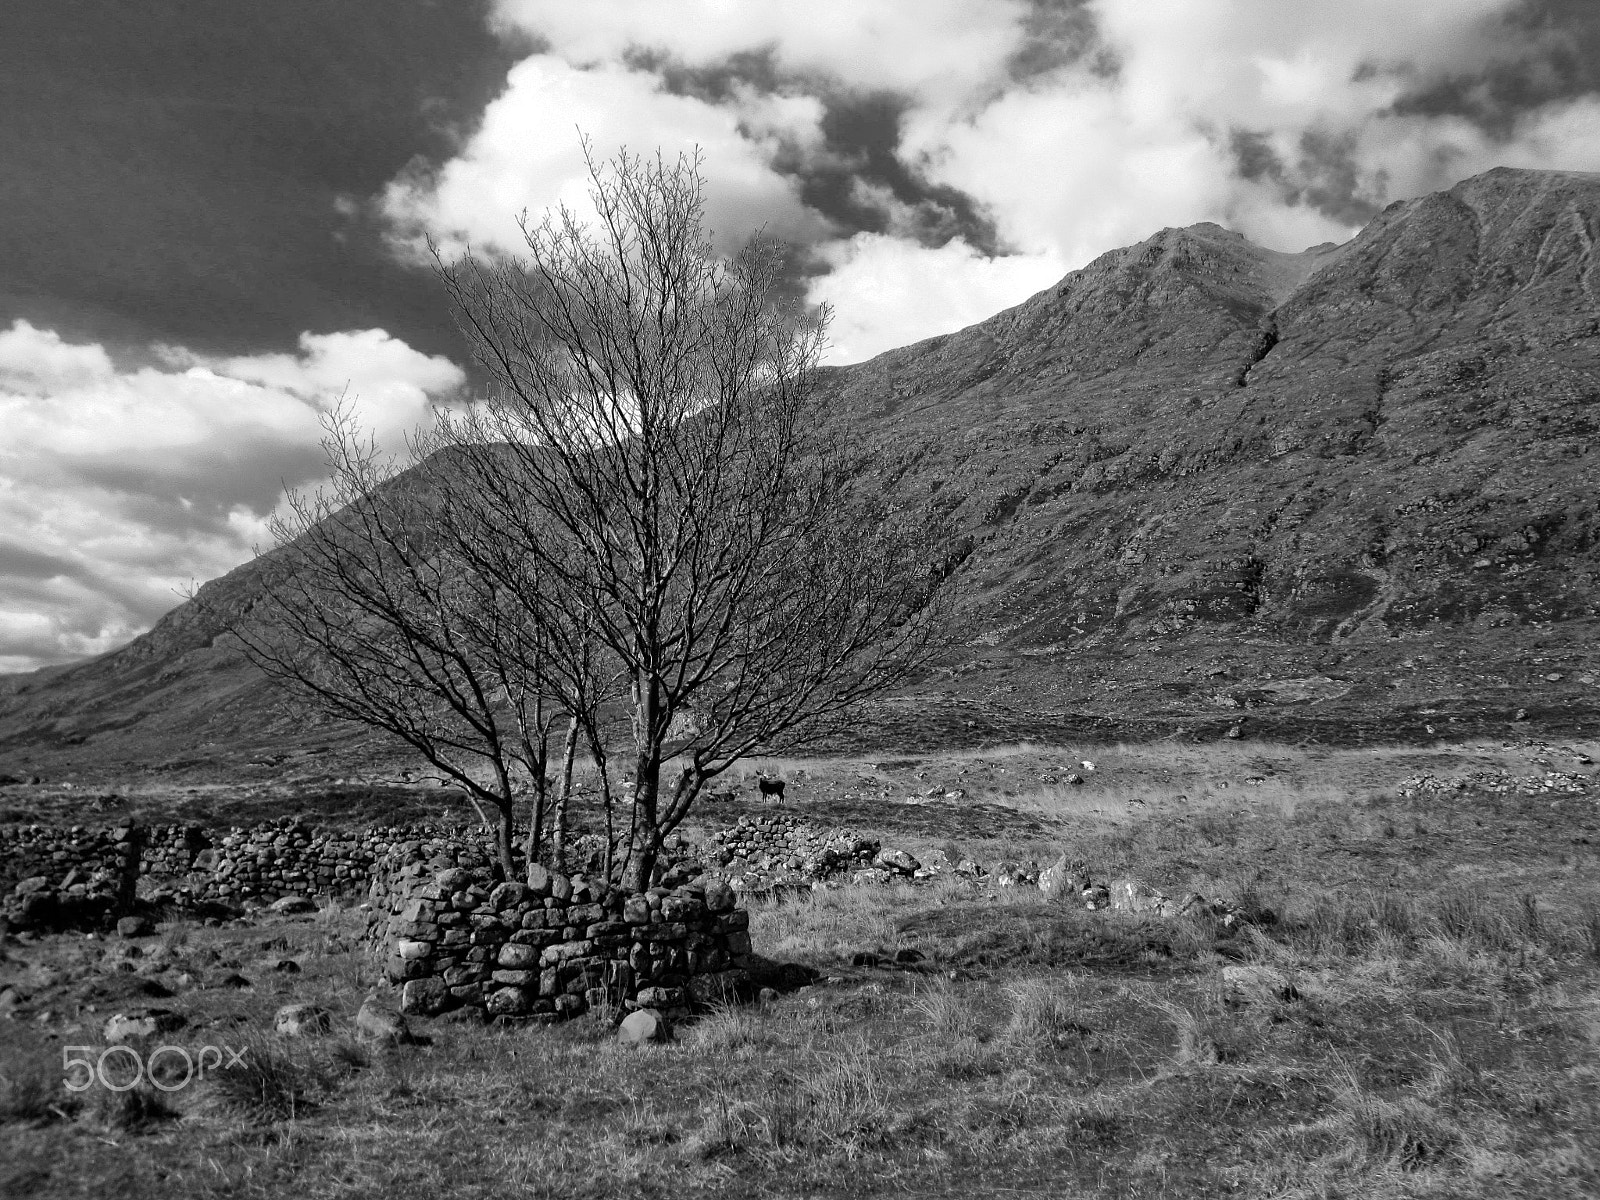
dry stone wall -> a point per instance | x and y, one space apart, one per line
77 872
554 945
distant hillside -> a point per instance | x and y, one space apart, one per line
1352 487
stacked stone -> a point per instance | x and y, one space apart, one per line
556 945
169 851
87 857
764 850
286 858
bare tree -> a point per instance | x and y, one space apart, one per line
657 473
371 610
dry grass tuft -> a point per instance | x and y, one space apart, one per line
269 1084
1044 1011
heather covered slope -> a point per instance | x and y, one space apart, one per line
1349 488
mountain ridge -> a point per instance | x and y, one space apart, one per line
1306 464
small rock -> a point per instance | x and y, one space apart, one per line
1074 778
896 860
377 1022
292 905
302 1020
1245 982
507 895
719 896
142 1023
511 1001
286 966
426 997
132 927
1062 878
233 980
871 877
642 1026
1133 895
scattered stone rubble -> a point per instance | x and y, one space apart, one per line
1499 783
761 853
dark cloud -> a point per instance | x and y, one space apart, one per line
19 563
172 168
35 579
195 496
855 178
1541 52
1325 175
1058 34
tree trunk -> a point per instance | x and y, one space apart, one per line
532 846
505 832
607 800
646 841
569 747
536 748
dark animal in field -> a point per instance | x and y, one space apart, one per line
770 787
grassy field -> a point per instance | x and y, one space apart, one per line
1421 1019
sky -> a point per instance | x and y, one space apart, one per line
213 212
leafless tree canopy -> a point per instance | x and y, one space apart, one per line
649 504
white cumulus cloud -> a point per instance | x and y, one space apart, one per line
121 484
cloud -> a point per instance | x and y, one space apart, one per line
887 292
124 476
987 138
526 156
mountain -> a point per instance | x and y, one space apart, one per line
1206 483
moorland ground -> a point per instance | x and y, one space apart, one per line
1422 1017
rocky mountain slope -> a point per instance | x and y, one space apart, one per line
1353 488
